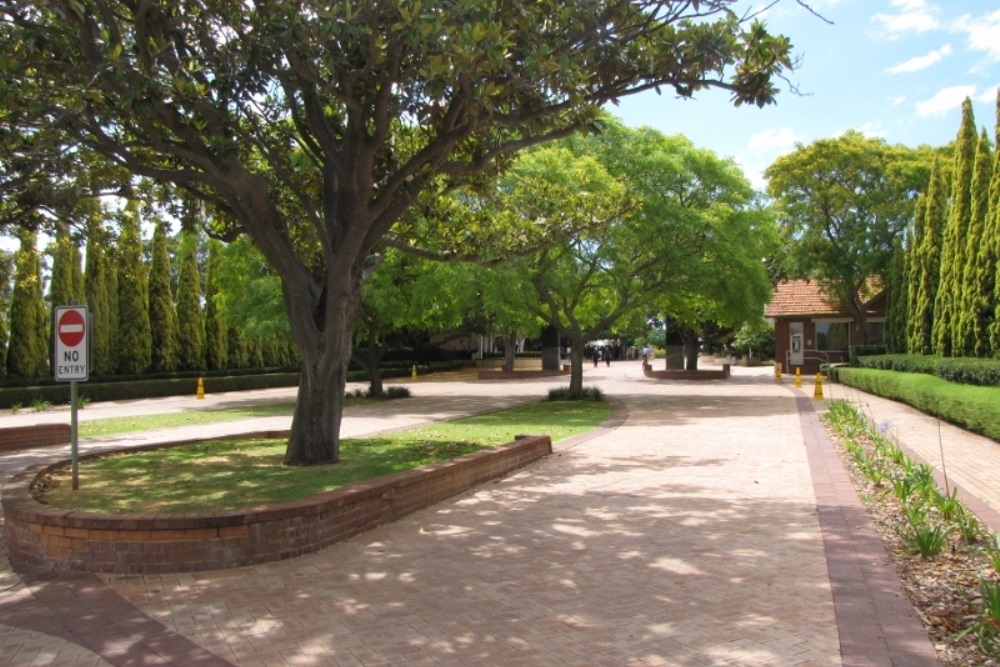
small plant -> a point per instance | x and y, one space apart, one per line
587 394
873 472
987 626
916 516
82 401
357 393
41 405
903 487
15 408
396 392
949 506
928 540
994 554
968 527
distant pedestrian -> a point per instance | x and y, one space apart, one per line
607 356
646 351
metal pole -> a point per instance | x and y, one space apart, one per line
72 434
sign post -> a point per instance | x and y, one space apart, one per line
72 364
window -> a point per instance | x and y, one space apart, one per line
876 332
832 336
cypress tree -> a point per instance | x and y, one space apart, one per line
134 340
929 257
190 318
163 358
980 267
216 334
61 289
895 324
947 304
6 276
913 273
238 353
28 351
98 292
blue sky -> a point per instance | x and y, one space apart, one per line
895 69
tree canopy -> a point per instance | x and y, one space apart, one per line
842 203
314 126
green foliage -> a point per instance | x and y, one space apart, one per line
216 333
980 372
6 277
99 285
928 539
585 394
162 316
843 203
925 262
974 408
190 318
441 95
980 256
41 405
28 349
61 288
949 298
134 339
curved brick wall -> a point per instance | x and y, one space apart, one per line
39 535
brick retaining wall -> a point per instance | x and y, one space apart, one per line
57 539
648 371
37 435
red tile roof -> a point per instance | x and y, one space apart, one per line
804 297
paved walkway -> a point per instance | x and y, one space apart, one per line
707 524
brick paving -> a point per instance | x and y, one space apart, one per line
708 524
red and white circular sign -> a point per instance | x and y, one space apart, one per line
71 327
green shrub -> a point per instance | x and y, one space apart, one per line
976 409
588 394
961 370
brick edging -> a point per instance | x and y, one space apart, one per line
57 539
876 622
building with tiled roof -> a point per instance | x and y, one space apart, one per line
811 328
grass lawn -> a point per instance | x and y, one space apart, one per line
233 474
116 425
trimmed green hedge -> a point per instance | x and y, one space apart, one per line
976 409
962 370
152 387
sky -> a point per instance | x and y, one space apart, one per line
894 69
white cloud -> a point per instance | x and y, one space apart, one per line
896 101
983 31
945 100
873 130
772 140
989 95
920 62
913 16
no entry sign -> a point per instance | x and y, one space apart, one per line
72 360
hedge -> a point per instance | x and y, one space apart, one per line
961 370
974 408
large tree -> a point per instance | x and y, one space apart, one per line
316 126
843 203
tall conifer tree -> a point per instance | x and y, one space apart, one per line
929 258
190 318
61 288
98 291
895 319
216 334
163 357
977 297
6 279
134 340
28 351
915 238
947 305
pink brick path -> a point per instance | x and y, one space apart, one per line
711 524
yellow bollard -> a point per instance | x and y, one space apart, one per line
201 389
777 372
818 391
413 373
798 378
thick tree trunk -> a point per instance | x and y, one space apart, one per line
371 359
509 352
323 334
576 370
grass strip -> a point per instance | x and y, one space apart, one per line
974 408
233 474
